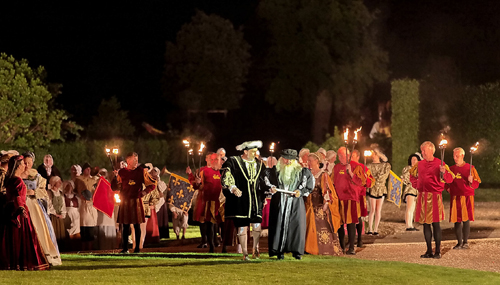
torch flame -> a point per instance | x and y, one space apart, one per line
473 148
346 135
115 150
443 141
186 143
202 146
368 153
356 134
117 198
108 150
191 151
271 148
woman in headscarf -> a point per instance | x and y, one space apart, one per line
36 198
47 169
380 170
19 246
57 209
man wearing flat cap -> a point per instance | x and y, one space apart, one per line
287 212
242 186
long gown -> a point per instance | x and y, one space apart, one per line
287 214
41 220
321 236
20 249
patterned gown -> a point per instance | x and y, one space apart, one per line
321 234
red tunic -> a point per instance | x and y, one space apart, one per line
211 188
347 188
462 193
425 177
460 186
131 184
370 181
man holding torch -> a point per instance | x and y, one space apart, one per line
462 197
348 177
133 182
425 176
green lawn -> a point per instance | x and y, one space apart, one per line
229 269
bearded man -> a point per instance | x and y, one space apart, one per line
287 213
244 190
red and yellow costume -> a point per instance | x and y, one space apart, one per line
210 189
425 177
370 181
347 188
462 193
130 183
199 203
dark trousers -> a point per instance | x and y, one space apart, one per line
126 233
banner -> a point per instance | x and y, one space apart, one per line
103 198
180 192
395 189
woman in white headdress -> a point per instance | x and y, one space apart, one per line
380 170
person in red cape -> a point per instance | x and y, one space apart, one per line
425 176
133 183
462 197
370 181
19 246
347 178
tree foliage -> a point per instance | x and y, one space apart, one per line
28 118
208 64
321 45
405 121
475 118
111 121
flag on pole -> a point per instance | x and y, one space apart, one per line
103 198
395 189
180 192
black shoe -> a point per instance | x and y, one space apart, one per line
224 249
411 230
351 252
427 255
202 245
281 256
375 234
437 255
211 250
458 246
125 251
137 250
465 246
297 256
369 233
360 243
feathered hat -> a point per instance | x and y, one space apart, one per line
249 145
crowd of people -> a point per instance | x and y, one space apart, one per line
306 200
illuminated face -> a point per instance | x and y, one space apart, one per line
86 171
251 153
28 163
133 161
414 161
286 161
342 155
427 153
47 160
22 166
154 173
312 162
458 157
355 157
215 161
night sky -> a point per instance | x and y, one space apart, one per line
101 50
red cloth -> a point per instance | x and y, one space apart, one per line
461 209
347 187
429 177
265 214
19 246
152 230
210 189
362 189
103 198
460 185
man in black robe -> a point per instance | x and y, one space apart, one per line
287 212
242 186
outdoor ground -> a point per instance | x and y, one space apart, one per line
391 258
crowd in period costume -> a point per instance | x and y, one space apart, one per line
306 200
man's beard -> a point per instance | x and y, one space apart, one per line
288 173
